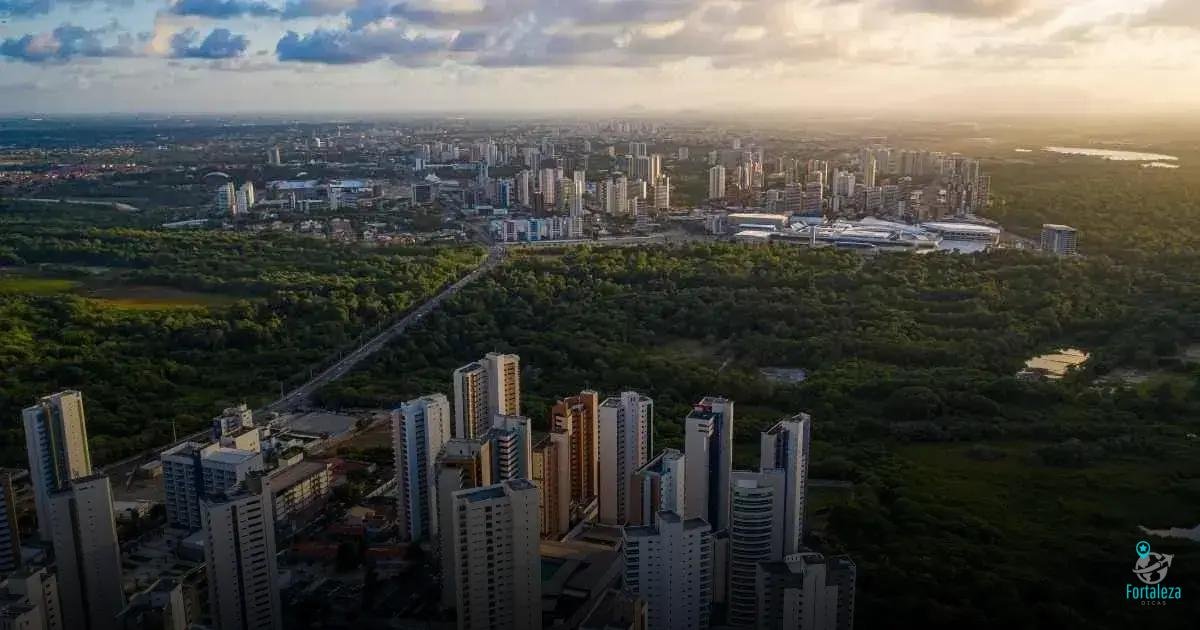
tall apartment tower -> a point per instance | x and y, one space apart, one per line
626 441
57 446
806 591
420 428
658 487
84 534
785 447
716 182
577 417
191 471
10 533
755 535
483 390
511 447
239 552
670 565
461 465
552 475
708 443
495 557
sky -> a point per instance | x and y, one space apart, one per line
726 56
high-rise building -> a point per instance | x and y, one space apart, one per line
273 157
39 587
708 444
626 441
462 465
614 194
785 447
662 193
420 428
57 446
716 182
191 470
813 200
524 192
10 533
640 167
483 390
577 417
160 607
225 199
637 149
683 154
547 181
245 198
767 512
239 553
552 476
806 591
755 535
511 441
669 564
658 487
495 557
578 188
1061 240
88 560
868 169
655 171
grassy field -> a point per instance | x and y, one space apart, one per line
108 290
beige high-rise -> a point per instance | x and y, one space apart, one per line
461 465
57 446
483 390
551 474
495 557
577 417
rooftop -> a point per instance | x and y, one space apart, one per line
285 478
231 456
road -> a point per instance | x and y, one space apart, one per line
299 397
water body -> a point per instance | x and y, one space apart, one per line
1116 156
1174 532
1159 165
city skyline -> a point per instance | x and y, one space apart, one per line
978 56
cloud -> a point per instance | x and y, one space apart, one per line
965 8
316 8
223 9
66 42
219 44
1172 13
340 47
24 8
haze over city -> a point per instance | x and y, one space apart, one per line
946 56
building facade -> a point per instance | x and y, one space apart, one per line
658 487
669 565
577 417
626 440
495 557
708 443
192 470
239 552
420 428
806 591
84 535
551 473
56 443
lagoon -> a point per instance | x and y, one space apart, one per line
1117 156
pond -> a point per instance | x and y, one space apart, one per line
1116 156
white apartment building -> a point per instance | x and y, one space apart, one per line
84 534
420 428
708 444
626 441
806 591
658 487
239 552
57 447
191 470
755 535
495 557
670 565
716 182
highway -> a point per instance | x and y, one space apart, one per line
299 398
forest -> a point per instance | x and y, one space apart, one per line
160 329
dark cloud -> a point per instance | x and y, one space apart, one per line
223 9
219 44
349 47
64 43
965 8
